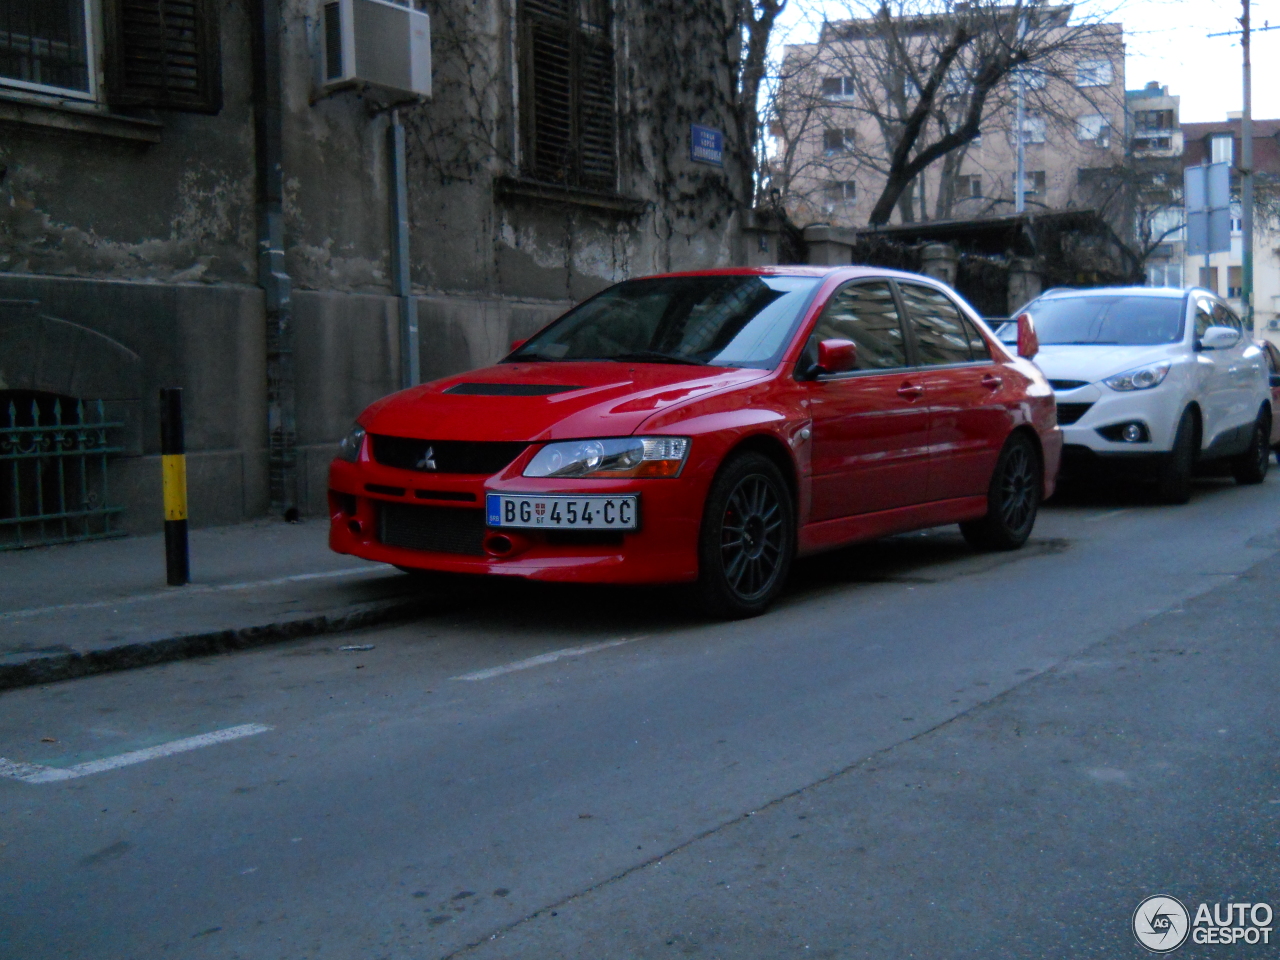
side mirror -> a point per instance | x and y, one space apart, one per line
517 344
1028 342
1219 338
837 356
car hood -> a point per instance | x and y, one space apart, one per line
546 401
1094 363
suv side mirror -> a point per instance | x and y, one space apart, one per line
837 356
1028 342
1219 338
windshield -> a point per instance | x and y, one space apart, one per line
724 321
1123 319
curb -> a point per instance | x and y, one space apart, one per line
69 666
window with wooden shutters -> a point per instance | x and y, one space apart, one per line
567 93
164 54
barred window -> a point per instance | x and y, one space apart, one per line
567 99
44 46
164 54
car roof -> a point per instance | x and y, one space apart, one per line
846 271
1167 293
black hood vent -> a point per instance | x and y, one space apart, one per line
508 389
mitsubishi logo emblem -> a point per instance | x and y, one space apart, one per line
428 460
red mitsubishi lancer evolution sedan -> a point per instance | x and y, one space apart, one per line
708 428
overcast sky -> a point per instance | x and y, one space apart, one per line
1167 41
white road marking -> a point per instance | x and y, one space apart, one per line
544 658
1106 516
35 773
190 589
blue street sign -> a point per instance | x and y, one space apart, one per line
1207 194
706 145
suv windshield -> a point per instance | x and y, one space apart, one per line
724 321
1124 319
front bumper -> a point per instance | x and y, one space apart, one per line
365 496
1097 406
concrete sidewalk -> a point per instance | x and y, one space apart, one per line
77 609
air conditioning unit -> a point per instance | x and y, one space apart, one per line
1273 324
375 43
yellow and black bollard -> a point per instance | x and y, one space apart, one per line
173 463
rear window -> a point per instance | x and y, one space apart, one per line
1126 320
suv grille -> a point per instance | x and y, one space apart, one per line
1069 413
446 456
436 529
1068 384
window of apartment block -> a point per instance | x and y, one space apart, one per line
163 54
567 100
1235 282
839 192
1152 121
1034 183
1033 129
837 141
1095 127
45 46
1209 278
1222 148
968 185
1164 275
1093 73
837 88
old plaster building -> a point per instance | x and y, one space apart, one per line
202 194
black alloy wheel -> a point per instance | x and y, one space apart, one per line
748 538
1174 485
1251 466
1013 498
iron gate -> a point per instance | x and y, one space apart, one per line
53 471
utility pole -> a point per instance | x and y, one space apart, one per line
1246 175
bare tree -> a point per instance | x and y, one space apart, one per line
922 80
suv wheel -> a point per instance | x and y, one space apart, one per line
1013 498
748 538
1174 485
1251 466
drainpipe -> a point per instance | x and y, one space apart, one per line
268 121
410 375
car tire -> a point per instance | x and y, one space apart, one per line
1013 498
1251 466
1174 485
748 538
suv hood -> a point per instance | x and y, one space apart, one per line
1094 363
546 401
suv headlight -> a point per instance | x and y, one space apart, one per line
611 458
349 448
1144 378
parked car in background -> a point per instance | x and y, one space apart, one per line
707 427
1273 375
1152 383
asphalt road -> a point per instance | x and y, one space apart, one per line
922 751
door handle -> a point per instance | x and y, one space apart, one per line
911 391
992 382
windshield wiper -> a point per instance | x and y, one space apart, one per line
654 356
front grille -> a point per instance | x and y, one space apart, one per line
445 456
1069 413
1068 384
436 529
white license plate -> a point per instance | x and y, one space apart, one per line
563 513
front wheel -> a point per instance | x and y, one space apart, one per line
748 538
1251 466
1174 485
1013 498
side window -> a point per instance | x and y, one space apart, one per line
1204 317
866 314
942 334
1223 317
977 346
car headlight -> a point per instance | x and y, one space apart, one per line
611 458
1144 378
349 448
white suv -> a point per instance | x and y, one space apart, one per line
1153 381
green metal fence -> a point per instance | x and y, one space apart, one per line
53 472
